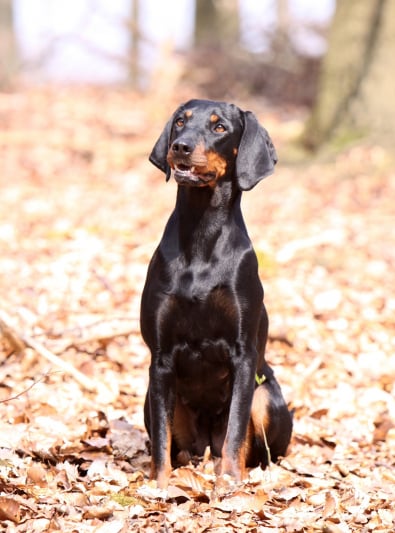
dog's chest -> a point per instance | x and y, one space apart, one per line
203 373
200 307
201 284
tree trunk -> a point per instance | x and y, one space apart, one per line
8 48
134 69
357 87
216 23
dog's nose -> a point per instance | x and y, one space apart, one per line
181 148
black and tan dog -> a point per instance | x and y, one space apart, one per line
202 314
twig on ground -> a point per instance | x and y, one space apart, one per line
334 237
20 341
35 382
102 331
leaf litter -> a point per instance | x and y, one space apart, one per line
82 211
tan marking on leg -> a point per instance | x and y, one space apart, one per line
162 474
260 410
259 421
233 466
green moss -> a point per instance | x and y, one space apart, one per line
125 500
345 137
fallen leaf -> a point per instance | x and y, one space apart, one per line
98 511
37 474
241 502
10 509
330 505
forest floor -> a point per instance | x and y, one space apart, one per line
81 213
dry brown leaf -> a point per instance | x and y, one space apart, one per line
241 502
330 504
98 443
77 499
37 474
382 426
176 493
188 478
98 511
10 509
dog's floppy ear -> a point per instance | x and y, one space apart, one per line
158 155
256 156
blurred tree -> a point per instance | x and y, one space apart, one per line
134 43
217 46
217 23
357 83
8 47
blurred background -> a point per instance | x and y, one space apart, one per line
127 41
336 55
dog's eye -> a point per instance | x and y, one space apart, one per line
219 128
180 122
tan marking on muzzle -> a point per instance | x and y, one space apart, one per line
198 156
216 163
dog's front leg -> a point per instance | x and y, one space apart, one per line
234 449
161 407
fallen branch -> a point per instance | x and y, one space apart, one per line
20 341
102 339
35 382
102 331
332 237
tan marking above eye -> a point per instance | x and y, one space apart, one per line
188 113
214 118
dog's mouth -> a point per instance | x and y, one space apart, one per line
192 175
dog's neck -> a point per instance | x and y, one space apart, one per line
203 213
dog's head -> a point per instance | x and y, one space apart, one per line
205 141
